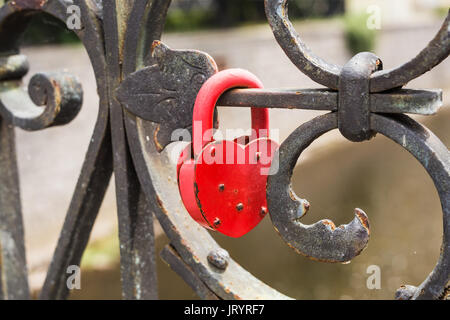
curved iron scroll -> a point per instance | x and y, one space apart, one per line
323 239
328 74
146 91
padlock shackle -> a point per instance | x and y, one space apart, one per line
207 99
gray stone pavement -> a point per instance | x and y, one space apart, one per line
50 161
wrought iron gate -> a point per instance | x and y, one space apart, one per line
146 91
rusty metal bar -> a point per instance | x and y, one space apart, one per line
13 267
87 198
309 99
136 233
97 167
396 101
328 74
176 263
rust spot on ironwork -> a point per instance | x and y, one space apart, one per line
13 67
195 258
330 224
292 195
284 10
57 95
28 4
362 217
213 63
161 205
159 147
276 230
186 246
155 44
379 64
445 294
306 205
237 297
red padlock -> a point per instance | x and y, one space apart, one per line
223 186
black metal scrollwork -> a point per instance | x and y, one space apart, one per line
357 121
146 91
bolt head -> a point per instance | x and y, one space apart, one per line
217 222
263 211
219 258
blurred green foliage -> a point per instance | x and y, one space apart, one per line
181 20
46 29
441 11
187 15
102 252
358 36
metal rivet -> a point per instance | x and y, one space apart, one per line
221 187
219 258
240 207
213 152
217 222
263 211
258 156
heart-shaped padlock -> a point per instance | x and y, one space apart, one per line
223 186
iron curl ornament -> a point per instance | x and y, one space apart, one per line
146 91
